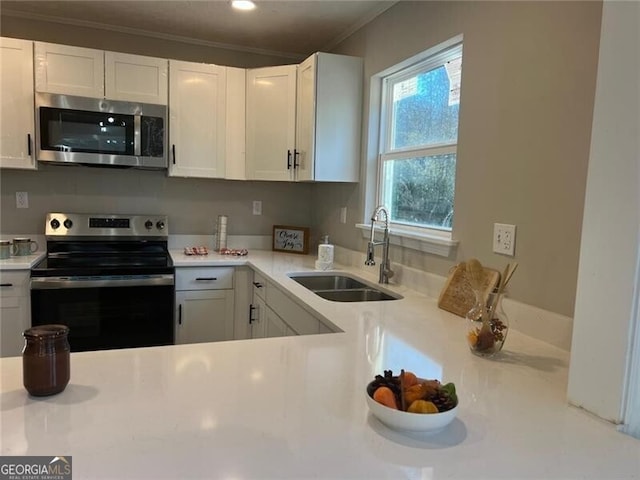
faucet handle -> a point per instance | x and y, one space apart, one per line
370 261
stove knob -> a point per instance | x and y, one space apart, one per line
148 224
54 223
160 225
68 224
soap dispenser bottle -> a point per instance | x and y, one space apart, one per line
325 254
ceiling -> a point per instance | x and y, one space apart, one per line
289 27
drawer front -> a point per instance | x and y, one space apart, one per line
259 286
14 283
204 278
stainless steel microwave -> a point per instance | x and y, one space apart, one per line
93 131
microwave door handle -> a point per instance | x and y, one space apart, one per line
137 139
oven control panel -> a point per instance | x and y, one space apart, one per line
100 225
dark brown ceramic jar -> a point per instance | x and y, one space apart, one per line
45 359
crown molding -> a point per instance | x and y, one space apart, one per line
358 25
150 34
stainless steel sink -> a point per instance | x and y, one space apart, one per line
355 295
328 282
342 288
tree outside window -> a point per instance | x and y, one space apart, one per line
418 151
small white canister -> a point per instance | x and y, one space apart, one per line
325 255
221 233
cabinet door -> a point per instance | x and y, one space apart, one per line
197 102
243 297
204 316
135 78
258 317
305 119
15 320
271 113
16 114
69 70
337 118
275 326
300 321
235 168
15 311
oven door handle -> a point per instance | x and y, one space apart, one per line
48 283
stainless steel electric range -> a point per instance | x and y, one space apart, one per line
109 278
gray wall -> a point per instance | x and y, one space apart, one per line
192 204
528 86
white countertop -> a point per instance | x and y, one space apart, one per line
24 262
294 407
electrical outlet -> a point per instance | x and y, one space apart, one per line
343 215
504 239
257 207
22 200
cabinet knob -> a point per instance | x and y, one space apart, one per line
257 284
251 309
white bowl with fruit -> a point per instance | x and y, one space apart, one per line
407 402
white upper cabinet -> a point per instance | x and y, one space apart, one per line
197 113
16 114
328 118
94 73
135 78
271 122
304 123
235 168
69 70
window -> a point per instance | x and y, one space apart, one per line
419 121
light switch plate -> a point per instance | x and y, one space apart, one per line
504 239
257 207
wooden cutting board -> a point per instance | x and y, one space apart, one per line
457 296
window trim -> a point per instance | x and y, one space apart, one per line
429 240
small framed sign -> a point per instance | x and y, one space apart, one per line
290 239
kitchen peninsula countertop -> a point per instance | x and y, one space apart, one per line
294 407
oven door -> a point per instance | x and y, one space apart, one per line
107 312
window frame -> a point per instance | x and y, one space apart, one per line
425 62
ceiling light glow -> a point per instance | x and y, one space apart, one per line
243 4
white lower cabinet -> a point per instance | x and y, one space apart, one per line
275 326
265 322
204 304
257 318
272 313
15 311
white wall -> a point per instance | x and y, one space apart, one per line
605 299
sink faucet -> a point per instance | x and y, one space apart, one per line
385 267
